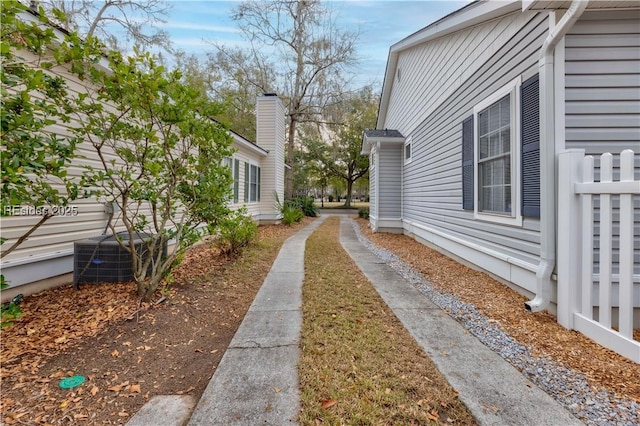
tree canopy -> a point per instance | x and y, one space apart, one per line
297 51
337 146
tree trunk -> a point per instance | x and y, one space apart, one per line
289 172
347 201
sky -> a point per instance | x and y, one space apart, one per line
194 24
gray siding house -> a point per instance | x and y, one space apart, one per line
476 109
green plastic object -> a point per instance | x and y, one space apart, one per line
71 382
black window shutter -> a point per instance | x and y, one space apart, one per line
259 183
530 137
236 180
467 164
246 182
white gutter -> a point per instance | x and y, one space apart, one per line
548 156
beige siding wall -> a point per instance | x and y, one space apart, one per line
49 250
246 155
270 135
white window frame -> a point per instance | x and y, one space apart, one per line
407 145
258 171
515 218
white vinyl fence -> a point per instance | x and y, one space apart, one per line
597 288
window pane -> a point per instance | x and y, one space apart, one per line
494 144
484 147
253 183
483 123
494 116
494 159
505 137
505 111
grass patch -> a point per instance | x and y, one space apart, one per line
359 365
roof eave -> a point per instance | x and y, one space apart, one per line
248 145
368 142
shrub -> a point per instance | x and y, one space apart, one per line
330 197
291 213
10 311
236 232
363 213
289 210
306 204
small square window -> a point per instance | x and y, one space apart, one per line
407 151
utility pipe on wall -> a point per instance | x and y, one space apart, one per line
548 156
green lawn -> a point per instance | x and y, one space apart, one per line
340 204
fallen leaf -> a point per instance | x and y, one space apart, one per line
387 391
134 389
328 403
116 388
115 353
61 339
277 390
94 390
433 415
80 416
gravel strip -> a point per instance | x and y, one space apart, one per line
566 386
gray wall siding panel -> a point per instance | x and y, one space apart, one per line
602 80
431 72
390 172
432 182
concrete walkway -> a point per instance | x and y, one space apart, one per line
493 390
256 382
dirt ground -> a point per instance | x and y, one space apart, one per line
129 353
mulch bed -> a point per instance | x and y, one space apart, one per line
603 368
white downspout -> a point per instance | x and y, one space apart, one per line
548 156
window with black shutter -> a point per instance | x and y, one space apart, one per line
492 158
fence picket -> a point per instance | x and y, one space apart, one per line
606 175
576 277
626 248
587 240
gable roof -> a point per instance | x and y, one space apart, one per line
475 13
467 16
